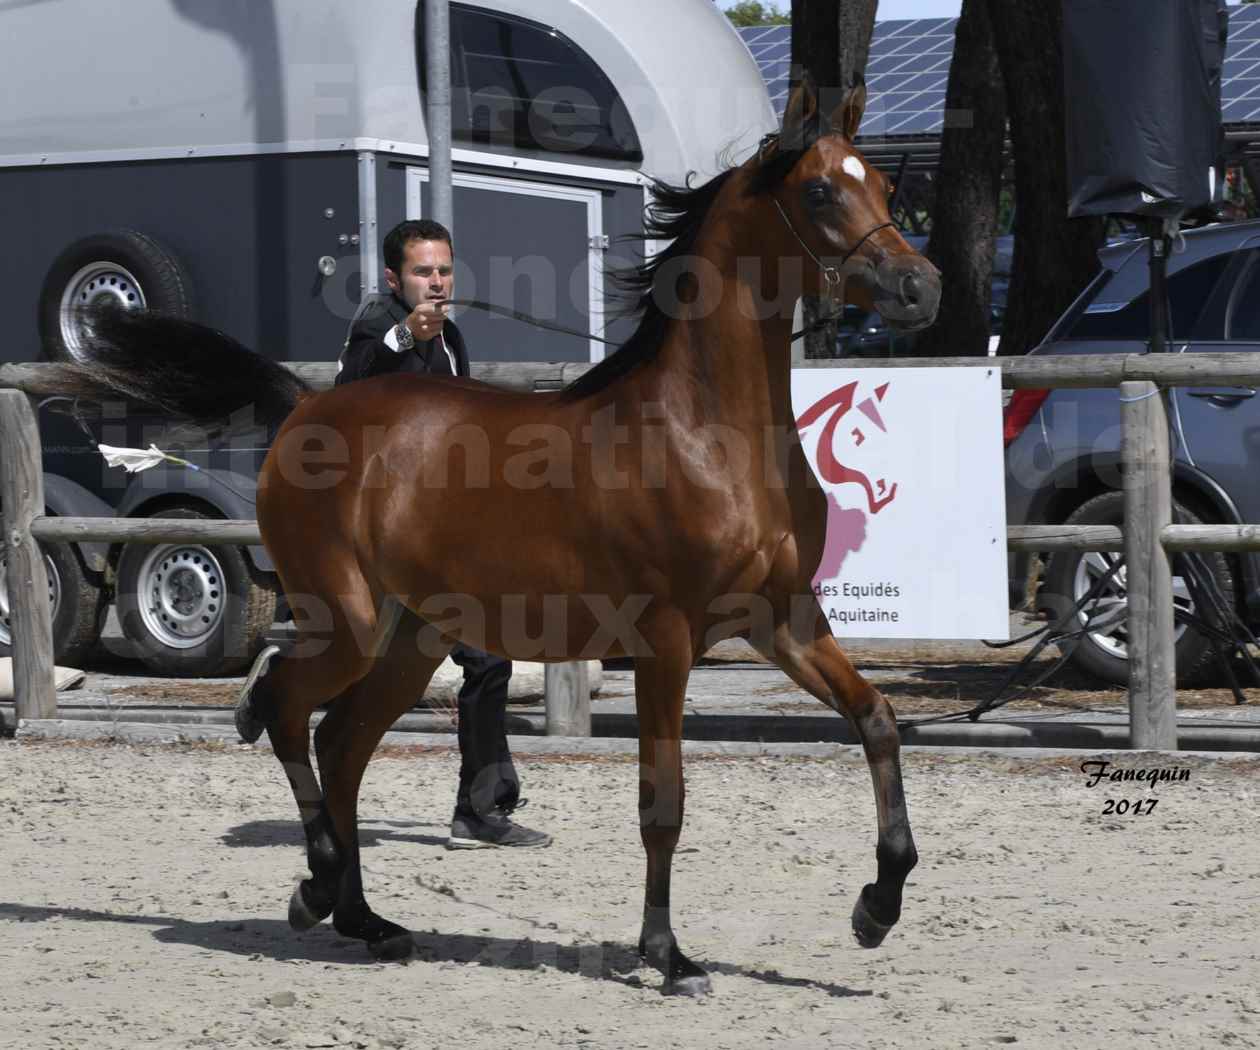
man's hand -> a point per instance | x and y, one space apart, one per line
425 321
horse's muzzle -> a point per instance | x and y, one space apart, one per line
907 292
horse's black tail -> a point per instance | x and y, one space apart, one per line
185 372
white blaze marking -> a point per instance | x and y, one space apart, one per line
853 166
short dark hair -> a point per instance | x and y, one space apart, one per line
404 233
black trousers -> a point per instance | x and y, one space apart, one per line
487 777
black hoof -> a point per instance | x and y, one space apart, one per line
682 976
394 948
305 908
868 930
694 985
387 941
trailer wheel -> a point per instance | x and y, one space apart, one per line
125 269
78 605
192 610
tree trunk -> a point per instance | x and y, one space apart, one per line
856 27
815 44
831 40
968 191
1054 255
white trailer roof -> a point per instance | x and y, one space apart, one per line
142 79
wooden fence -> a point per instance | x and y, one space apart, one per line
567 690
1147 538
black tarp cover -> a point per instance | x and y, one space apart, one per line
1142 80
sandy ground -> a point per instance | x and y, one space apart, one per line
143 894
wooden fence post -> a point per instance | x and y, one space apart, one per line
568 699
1148 568
22 497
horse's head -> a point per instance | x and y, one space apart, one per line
826 199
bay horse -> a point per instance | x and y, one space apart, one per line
629 514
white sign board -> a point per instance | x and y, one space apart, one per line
911 462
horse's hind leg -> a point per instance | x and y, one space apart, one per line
344 742
315 671
813 660
337 633
314 898
660 683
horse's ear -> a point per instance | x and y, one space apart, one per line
847 117
801 112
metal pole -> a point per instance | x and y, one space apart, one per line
1148 568
437 53
1160 244
22 496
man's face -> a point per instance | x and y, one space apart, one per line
427 273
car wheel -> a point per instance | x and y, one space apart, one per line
1103 651
125 269
78 605
192 610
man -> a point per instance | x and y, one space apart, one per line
408 331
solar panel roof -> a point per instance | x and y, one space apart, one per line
908 70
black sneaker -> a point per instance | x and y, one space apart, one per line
469 831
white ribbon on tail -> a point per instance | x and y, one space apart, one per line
137 459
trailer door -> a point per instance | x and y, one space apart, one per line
534 247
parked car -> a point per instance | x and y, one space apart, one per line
1063 446
865 334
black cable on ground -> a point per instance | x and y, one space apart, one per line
1227 633
1050 634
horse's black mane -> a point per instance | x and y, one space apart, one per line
676 214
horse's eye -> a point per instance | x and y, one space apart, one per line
818 194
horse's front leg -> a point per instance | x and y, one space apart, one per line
808 653
660 684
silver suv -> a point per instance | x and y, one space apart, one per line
1063 446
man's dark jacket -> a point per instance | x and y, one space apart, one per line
366 354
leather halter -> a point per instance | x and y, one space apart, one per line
831 274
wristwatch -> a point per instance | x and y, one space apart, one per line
406 341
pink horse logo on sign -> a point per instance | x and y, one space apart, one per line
846 527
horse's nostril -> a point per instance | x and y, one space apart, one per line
911 289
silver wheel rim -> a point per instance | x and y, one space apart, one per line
54 596
181 594
97 284
1107 617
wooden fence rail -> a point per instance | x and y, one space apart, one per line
1147 538
146 530
1085 370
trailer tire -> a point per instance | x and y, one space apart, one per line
124 269
78 605
192 610
1104 654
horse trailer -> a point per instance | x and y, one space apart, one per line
237 163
